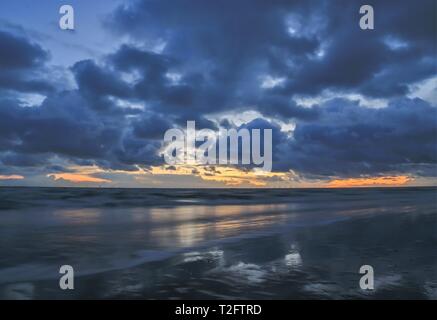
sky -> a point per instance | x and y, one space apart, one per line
89 107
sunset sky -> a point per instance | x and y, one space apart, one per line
89 107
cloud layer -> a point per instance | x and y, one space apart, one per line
210 60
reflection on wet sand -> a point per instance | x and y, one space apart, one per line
200 223
78 216
189 213
293 257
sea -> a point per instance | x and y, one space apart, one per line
218 243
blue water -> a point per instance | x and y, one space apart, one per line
221 243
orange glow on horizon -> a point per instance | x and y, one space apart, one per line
369 182
223 176
77 178
11 177
229 176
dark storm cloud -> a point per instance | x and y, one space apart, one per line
62 124
153 66
185 98
66 125
97 81
151 126
136 151
22 160
364 61
21 63
349 140
234 42
279 106
220 49
84 126
19 53
279 138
